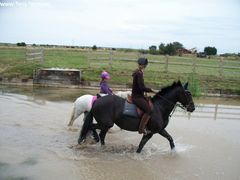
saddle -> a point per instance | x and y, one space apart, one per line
132 110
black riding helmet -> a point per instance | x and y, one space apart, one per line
143 61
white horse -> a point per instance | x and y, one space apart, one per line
83 104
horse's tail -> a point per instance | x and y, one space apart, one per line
87 125
72 116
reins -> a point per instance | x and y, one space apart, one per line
175 105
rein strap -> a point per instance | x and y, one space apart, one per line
175 105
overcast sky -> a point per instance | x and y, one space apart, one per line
123 23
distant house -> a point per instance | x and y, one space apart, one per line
182 51
193 50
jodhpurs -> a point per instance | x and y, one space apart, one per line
142 103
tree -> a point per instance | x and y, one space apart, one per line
21 44
170 49
177 45
153 50
94 47
210 50
162 48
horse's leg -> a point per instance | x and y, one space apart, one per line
165 134
72 117
92 128
86 126
144 141
102 134
94 132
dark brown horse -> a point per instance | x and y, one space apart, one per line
108 111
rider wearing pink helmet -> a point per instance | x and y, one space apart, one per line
105 75
104 88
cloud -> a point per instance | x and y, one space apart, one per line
124 23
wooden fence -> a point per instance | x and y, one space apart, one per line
215 112
34 54
196 65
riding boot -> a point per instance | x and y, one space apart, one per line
143 123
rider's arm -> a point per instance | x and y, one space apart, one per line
141 83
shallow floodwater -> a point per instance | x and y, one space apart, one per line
35 142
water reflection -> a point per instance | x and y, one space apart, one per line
41 94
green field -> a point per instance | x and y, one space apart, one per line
206 75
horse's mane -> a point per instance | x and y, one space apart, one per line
166 89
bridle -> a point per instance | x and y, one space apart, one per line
185 107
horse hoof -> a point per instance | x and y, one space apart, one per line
96 138
102 143
138 151
173 151
80 141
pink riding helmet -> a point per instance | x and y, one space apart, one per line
105 75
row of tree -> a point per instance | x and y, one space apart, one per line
21 44
163 49
173 49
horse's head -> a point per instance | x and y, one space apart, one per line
176 93
185 98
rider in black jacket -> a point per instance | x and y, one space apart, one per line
138 98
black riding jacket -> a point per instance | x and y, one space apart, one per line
138 87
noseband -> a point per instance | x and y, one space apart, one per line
188 93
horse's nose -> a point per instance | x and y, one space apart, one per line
193 109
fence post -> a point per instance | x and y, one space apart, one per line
110 59
194 65
215 112
139 55
166 64
221 67
88 57
42 52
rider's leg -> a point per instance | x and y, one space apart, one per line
143 105
143 124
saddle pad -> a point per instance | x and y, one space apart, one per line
130 110
94 98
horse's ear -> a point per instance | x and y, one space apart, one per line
179 82
185 86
